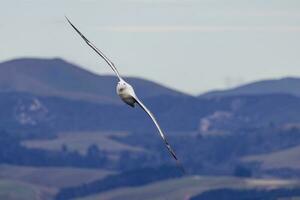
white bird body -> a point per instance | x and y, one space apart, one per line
127 94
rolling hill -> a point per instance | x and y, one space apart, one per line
287 85
185 188
51 177
17 190
53 112
287 158
56 77
23 110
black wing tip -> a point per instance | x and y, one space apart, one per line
179 165
66 17
81 35
174 155
69 21
171 150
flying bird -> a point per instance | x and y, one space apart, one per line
127 94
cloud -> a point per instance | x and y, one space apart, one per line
162 1
265 13
162 29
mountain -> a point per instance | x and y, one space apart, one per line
54 113
245 125
24 110
285 85
56 77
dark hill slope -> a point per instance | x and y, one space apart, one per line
174 113
285 86
56 77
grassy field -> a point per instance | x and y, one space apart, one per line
181 189
51 177
42 183
31 183
80 141
16 190
288 158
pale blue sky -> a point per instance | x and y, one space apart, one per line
191 45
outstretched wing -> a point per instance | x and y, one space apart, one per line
160 132
111 64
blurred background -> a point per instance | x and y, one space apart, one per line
222 78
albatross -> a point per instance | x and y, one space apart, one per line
127 94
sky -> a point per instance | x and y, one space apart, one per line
190 45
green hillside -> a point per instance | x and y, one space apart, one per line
16 190
81 141
181 189
56 77
288 158
51 177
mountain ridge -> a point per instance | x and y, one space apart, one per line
57 77
286 85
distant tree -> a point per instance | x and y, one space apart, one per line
132 178
93 151
271 124
64 148
125 161
241 171
96 157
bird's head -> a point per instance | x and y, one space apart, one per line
121 85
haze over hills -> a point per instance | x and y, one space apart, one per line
53 87
223 114
56 77
55 114
289 85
